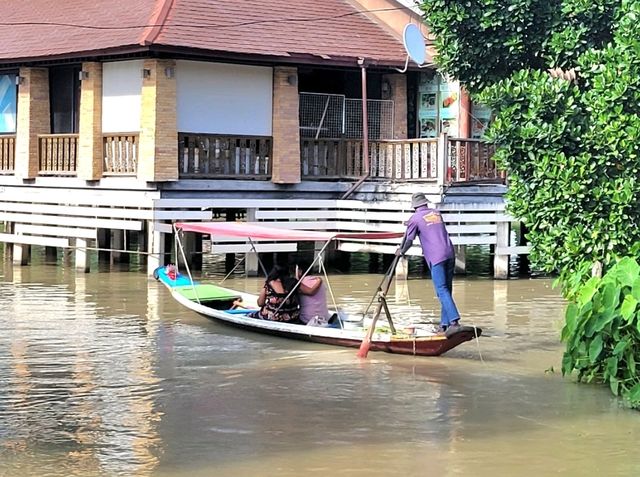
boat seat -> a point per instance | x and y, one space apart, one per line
206 292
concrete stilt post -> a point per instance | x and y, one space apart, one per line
51 254
500 260
82 256
461 258
142 246
8 249
251 261
156 250
196 258
104 242
117 242
21 253
189 247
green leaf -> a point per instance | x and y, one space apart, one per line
614 386
620 347
570 321
611 369
588 290
595 348
567 364
628 308
634 394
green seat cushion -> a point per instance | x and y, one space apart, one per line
206 292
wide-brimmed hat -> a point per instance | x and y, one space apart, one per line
418 200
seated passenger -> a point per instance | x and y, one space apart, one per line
273 302
313 298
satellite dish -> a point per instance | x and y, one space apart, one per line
414 43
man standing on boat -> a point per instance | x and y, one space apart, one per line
437 250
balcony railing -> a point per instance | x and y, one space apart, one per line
471 160
120 154
58 154
213 156
398 160
7 153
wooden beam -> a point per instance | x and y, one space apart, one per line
34 240
72 221
163 228
80 196
182 215
57 231
519 250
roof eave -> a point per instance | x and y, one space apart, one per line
289 59
204 54
76 55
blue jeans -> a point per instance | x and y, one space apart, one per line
442 276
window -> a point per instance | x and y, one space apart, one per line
64 91
8 103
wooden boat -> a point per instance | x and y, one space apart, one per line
217 302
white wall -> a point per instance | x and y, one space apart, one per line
121 96
220 98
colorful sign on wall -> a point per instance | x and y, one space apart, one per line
438 107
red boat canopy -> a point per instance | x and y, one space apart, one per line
254 230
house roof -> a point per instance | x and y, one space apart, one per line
310 31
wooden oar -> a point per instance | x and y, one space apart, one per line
382 293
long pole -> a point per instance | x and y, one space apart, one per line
365 121
382 294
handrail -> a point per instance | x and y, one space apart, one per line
217 155
7 153
57 154
120 153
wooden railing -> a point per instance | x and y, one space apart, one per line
58 154
402 160
471 160
205 156
120 154
7 153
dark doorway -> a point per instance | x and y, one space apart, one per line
64 91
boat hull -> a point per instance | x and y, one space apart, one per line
197 300
434 345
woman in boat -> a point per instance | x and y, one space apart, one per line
313 304
276 301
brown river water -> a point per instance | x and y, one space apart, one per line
102 374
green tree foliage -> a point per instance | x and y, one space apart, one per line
571 147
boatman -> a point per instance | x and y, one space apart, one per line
437 250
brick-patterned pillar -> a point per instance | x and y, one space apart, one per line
33 119
398 93
158 147
90 150
285 167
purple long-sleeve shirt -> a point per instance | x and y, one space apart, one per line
428 225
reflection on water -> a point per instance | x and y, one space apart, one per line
103 374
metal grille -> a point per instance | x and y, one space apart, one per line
335 116
321 115
379 118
